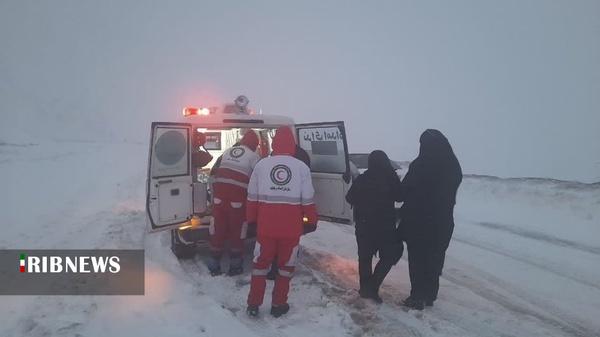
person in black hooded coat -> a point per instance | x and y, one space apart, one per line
372 196
427 215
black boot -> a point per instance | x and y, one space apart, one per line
414 303
369 291
280 310
235 266
252 310
375 296
214 265
429 303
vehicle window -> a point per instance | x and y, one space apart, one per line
170 152
213 141
325 146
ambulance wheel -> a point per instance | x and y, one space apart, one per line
180 249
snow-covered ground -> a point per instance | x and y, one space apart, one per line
524 260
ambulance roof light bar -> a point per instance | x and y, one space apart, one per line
240 106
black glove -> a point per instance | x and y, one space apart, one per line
309 228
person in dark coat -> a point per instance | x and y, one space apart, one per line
372 196
427 215
302 155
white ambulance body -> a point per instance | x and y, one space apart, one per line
178 195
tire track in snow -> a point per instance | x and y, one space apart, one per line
553 320
534 235
541 266
443 322
545 312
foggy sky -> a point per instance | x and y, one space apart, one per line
515 85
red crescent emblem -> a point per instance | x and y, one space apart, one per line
278 175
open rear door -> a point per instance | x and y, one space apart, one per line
169 193
326 145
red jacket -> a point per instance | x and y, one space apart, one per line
234 169
280 191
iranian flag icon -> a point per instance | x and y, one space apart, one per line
22 263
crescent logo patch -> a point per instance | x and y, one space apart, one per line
237 152
281 175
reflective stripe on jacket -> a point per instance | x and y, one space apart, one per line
232 176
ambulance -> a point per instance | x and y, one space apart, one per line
182 154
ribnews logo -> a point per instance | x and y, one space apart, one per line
72 272
78 264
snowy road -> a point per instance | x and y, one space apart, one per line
524 260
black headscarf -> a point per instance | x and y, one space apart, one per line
379 163
437 159
434 144
374 192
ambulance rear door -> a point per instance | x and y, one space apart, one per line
327 147
169 189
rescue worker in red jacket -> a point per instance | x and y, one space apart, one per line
305 158
229 209
280 196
